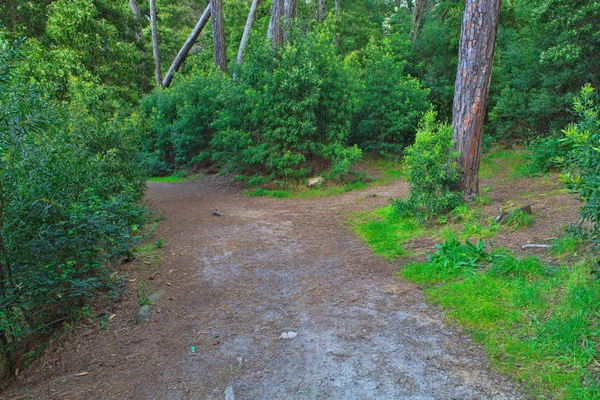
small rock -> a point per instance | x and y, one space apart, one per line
508 210
218 213
315 182
143 314
288 335
229 395
154 297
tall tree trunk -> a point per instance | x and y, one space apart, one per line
155 53
321 10
275 32
337 7
475 59
289 10
185 49
246 34
420 6
218 35
137 18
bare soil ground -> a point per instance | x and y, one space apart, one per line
233 284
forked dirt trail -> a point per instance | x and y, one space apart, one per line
234 284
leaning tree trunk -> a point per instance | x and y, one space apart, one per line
275 32
475 58
420 6
187 46
218 35
246 34
155 54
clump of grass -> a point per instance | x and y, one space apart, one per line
519 219
539 323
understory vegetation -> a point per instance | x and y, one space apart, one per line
538 317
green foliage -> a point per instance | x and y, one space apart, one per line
538 323
392 102
518 219
583 160
431 171
546 153
289 114
69 192
180 121
451 259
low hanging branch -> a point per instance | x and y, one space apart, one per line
185 49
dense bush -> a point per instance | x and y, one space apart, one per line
431 171
69 192
391 102
546 153
583 160
180 122
289 114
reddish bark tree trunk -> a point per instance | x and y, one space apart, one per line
275 32
475 58
216 8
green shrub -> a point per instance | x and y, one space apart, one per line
546 153
180 122
392 102
288 115
583 160
431 171
69 191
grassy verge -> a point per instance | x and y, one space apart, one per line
540 323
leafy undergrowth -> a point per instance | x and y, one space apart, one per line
539 323
177 177
539 320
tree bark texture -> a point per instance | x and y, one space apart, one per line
289 10
219 48
155 53
246 34
419 9
187 46
275 32
475 59
321 11
137 17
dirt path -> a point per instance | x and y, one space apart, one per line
234 284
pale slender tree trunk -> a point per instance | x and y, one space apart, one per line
321 11
246 34
337 7
137 17
155 53
185 49
420 6
275 32
475 59
289 11
218 35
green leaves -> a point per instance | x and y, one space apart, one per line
431 171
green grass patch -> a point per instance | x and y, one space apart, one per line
305 192
385 231
511 163
539 323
